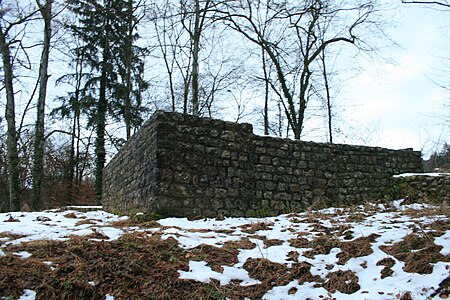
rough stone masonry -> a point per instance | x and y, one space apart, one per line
181 165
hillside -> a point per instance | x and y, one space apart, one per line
373 251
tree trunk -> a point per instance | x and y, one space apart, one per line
128 62
266 92
11 141
290 108
39 140
101 125
327 98
72 179
195 59
186 93
71 171
303 96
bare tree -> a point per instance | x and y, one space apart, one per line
443 81
194 28
168 38
293 35
12 20
187 38
328 101
437 3
45 10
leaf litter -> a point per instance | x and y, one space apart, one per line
372 251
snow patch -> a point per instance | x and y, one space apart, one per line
28 295
422 174
199 271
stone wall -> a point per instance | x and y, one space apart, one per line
180 165
422 187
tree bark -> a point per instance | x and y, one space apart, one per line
266 92
11 141
100 150
195 59
128 62
327 98
39 140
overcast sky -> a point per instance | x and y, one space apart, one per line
398 103
393 102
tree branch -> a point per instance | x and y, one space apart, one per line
440 3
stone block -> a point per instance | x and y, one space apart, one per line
265 160
187 165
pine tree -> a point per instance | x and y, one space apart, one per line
75 104
107 31
128 60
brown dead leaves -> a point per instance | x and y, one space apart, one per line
343 281
417 252
359 247
131 267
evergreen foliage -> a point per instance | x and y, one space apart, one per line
106 30
439 160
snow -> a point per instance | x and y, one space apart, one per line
422 174
443 241
22 254
90 207
56 225
198 270
28 295
391 226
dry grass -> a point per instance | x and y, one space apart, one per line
70 216
302 272
322 245
299 242
11 219
417 252
343 281
359 247
293 256
132 267
268 272
439 227
254 227
388 263
139 266
132 222
10 236
42 249
243 243
85 222
356 217
443 210
272 242
215 257
96 234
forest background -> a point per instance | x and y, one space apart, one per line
79 77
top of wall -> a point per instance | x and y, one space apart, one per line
246 128
185 165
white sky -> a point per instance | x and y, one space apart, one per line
399 100
394 102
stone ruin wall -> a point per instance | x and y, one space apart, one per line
422 188
181 165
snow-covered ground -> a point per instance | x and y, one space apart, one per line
387 226
422 174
